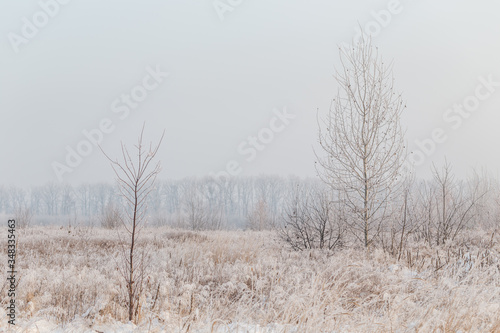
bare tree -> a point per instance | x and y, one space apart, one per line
487 208
312 221
214 201
136 179
112 217
405 220
17 198
327 219
50 196
259 218
362 138
194 209
296 229
23 216
67 200
449 205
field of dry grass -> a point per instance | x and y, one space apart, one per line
221 280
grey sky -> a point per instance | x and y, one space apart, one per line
228 77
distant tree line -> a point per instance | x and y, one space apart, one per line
194 203
308 213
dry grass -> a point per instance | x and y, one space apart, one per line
213 279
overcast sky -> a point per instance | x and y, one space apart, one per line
233 67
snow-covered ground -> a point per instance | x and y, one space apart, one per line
235 281
83 326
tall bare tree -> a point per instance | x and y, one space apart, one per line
136 179
362 138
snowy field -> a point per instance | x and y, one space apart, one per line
243 281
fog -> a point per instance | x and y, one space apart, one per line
219 75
